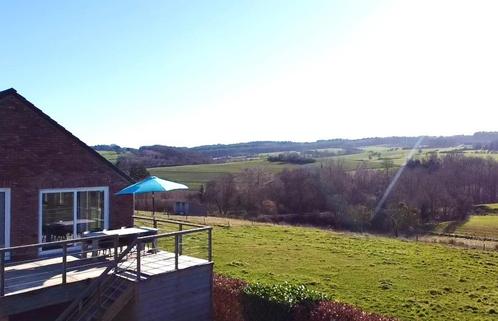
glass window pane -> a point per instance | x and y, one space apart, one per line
57 216
90 211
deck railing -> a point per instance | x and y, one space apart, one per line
90 304
85 252
77 255
177 249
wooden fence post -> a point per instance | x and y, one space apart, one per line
180 239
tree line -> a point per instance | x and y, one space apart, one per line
291 158
397 200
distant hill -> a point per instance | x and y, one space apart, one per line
159 155
258 147
154 156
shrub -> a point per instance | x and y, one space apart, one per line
235 300
276 302
335 311
227 293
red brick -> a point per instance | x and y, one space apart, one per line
36 153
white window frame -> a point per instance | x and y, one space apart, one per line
7 214
75 191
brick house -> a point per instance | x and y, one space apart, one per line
52 185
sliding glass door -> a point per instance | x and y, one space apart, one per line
68 213
90 211
57 216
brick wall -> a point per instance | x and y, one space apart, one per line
37 154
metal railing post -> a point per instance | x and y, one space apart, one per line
2 272
116 243
176 251
180 250
138 259
64 263
210 245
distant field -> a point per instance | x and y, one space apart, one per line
371 157
196 175
475 226
409 280
110 156
481 154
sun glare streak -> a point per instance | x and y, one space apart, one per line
396 177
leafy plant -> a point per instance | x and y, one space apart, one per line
235 300
264 302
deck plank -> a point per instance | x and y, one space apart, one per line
25 277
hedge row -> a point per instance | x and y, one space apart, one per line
235 300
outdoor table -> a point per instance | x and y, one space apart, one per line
133 232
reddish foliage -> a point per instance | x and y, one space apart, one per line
227 294
227 306
335 311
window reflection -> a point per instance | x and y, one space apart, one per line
57 216
68 214
90 216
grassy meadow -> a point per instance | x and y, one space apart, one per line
109 155
195 175
475 226
405 279
370 157
485 226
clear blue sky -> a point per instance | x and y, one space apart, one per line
187 73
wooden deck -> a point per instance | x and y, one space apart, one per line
84 276
47 272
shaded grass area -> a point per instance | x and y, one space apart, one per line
412 281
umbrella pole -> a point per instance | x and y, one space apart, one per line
154 211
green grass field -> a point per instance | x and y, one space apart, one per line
481 154
408 280
110 156
196 175
475 226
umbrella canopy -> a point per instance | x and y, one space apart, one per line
150 185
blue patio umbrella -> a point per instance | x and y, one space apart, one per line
152 185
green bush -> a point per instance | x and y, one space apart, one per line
275 302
